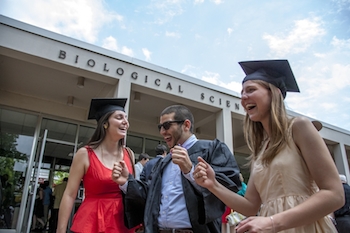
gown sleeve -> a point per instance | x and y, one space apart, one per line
227 172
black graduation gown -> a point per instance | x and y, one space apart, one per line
204 208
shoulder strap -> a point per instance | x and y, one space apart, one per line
132 158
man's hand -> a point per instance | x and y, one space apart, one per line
120 173
180 157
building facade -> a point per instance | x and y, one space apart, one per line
47 81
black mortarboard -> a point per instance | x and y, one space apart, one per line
276 72
100 107
318 125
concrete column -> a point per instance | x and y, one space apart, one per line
340 159
123 90
224 127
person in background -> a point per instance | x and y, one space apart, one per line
244 186
143 159
172 200
47 191
342 215
102 209
161 152
288 187
38 213
58 194
226 227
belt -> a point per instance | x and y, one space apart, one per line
175 230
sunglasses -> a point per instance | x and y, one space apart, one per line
166 125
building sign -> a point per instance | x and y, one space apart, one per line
119 71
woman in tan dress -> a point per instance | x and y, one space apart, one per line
294 183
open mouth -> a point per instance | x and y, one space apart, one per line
250 106
167 139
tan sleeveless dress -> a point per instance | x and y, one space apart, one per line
286 183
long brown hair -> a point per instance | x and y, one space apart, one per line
255 135
100 132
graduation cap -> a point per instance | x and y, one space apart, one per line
276 72
100 107
318 125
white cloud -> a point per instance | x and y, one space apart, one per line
110 43
198 1
298 39
127 51
234 86
211 77
229 31
328 106
198 37
322 82
214 78
340 44
147 54
217 2
342 5
338 79
324 91
172 34
188 71
196 72
166 10
80 19
320 55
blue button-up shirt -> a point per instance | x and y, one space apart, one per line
173 212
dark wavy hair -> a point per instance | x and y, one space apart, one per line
160 149
181 113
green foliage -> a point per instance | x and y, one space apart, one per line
8 157
59 175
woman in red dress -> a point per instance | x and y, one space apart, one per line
102 209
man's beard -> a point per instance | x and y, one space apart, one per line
177 137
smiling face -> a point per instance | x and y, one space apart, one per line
118 125
256 100
174 134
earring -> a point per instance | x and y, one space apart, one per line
105 126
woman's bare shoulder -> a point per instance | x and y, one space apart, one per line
301 121
81 155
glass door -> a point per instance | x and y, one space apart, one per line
34 183
53 159
17 136
32 149
51 164
56 164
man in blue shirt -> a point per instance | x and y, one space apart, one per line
142 161
46 200
172 200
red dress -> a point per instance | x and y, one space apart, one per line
102 209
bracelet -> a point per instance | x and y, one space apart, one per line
273 225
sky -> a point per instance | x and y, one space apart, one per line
206 39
